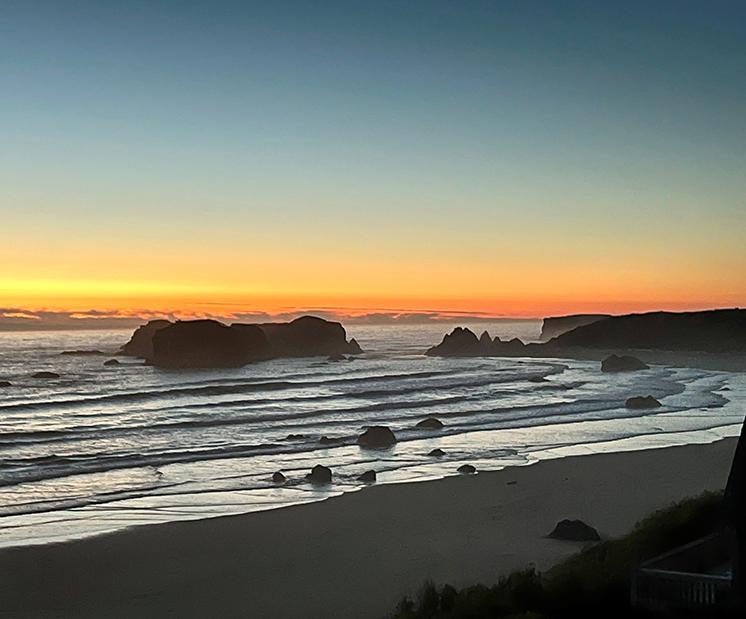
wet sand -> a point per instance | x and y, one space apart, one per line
354 555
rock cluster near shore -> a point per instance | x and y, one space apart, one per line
209 343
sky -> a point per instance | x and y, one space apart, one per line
497 158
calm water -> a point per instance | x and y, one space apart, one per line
102 448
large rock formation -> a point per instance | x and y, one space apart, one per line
209 343
557 325
715 331
141 342
460 342
463 342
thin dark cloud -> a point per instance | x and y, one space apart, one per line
23 319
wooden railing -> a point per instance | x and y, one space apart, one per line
657 589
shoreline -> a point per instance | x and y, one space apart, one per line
357 554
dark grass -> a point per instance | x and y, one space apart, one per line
593 583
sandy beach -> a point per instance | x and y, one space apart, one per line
357 554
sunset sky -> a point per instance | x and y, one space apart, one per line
509 158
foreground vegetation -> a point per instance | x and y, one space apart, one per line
595 582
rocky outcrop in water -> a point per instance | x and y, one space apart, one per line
575 531
82 353
437 453
463 342
278 478
141 343
45 375
320 474
110 362
431 423
467 469
368 477
209 343
623 363
642 402
5 383
377 437
713 331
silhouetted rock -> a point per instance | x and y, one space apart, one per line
538 379
320 474
575 531
278 478
82 353
641 402
354 348
45 375
141 342
5 383
714 331
460 342
336 357
623 363
377 436
368 477
466 469
308 336
553 326
326 440
208 343
205 344
437 453
295 437
111 362
431 423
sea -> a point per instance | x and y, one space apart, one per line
103 448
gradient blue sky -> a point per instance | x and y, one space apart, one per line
511 157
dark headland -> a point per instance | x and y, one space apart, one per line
209 343
708 337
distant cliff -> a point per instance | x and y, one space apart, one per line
209 343
557 325
712 331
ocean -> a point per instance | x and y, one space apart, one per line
107 447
